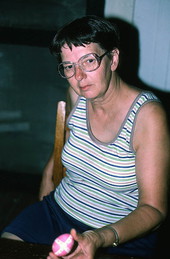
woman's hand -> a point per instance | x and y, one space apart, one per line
87 244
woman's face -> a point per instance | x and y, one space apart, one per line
93 84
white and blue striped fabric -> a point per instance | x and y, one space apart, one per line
100 187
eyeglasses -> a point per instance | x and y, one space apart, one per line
87 63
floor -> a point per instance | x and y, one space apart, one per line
16 192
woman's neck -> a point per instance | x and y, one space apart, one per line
110 97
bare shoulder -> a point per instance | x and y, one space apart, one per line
72 97
152 113
151 123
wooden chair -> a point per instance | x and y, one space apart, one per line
60 133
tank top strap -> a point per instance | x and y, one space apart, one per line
143 98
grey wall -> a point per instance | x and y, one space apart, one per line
29 90
29 84
152 21
152 18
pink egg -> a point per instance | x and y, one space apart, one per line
62 245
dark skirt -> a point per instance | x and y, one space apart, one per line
43 221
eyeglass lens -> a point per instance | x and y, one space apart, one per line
87 63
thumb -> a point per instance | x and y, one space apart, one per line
77 237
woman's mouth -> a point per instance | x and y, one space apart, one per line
85 87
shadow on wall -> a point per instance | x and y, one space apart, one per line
128 70
129 61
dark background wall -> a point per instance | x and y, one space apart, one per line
29 84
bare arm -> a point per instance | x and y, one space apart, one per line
47 184
152 145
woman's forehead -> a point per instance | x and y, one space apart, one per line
79 51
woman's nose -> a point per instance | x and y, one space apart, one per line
79 73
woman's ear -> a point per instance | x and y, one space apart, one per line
115 59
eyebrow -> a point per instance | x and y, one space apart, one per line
80 57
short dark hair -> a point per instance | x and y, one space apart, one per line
86 30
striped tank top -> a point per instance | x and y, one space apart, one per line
100 186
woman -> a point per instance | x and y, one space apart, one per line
116 157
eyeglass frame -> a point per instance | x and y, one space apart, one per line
98 58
